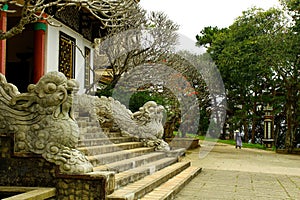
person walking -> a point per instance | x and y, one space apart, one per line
238 139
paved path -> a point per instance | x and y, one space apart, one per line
230 173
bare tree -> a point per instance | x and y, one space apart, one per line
153 37
111 13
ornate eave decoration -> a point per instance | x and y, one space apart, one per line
85 16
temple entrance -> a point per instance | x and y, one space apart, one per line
19 57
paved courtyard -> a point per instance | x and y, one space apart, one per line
230 173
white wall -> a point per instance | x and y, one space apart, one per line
52 51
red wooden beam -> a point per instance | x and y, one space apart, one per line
3 27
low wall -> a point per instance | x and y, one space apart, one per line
35 171
23 171
93 186
187 143
284 151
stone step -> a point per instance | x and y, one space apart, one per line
104 141
87 123
28 192
135 174
83 119
113 134
127 164
102 159
99 134
104 149
139 188
169 189
90 129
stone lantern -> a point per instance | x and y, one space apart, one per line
268 139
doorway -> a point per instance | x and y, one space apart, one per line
19 56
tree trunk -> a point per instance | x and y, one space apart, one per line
288 136
169 128
289 118
253 132
245 130
277 130
253 128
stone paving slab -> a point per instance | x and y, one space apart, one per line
230 173
29 193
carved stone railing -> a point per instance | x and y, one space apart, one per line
42 121
145 125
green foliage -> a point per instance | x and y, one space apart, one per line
207 36
258 58
293 7
235 51
139 98
232 142
245 145
107 91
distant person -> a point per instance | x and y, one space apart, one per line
238 139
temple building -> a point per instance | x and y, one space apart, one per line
64 42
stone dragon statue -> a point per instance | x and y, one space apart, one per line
42 121
145 125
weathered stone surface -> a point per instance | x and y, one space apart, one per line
145 124
39 135
24 172
42 121
81 187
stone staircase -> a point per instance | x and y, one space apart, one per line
140 172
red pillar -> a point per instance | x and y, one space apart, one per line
39 50
3 26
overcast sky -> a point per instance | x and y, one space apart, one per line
193 15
